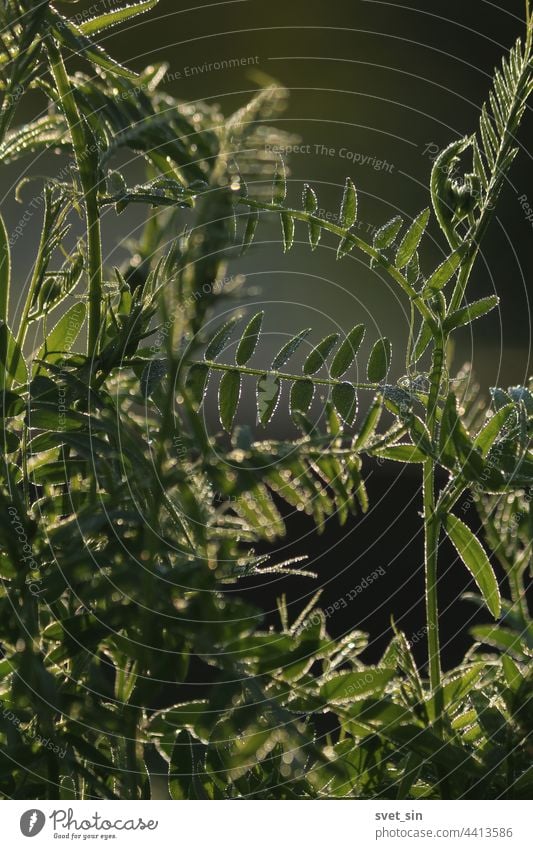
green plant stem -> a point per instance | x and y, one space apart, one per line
324 381
84 156
432 526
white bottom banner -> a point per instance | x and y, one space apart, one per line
268 825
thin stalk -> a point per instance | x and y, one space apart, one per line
324 381
84 155
432 527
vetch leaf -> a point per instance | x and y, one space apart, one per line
402 453
196 383
348 212
229 393
379 361
5 271
309 199
348 351
319 355
279 186
302 392
345 246
475 559
251 227
249 339
287 228
349 686
268 392
385 236
412 270
411 240
289 349
62 337
315 232
220 338
442 274
467 314
111 19
368 428
344 398
69 34
12 361
423 340
489 433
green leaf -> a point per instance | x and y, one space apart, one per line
229 393
402 453
469 313
350 686
279 186
287 228
95 25
424 338
475 559
12 363
379 361
268 392
69 35
488 434
513 675
345 246
385 236
455 444
249 339
348 212
196 383
348 351
309 199
220 338
411 240
302 392
62 337
315 232
368 428
412 270
344 398
319 355
251 227
442 274
289 349
5 271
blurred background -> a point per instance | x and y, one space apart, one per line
376 90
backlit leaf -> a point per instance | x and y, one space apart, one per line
348 212
385 236
475 559
348 351
228 397
249 339
289 349
379 361
344 397
319 355
411 240
302 392
111 19
268 392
